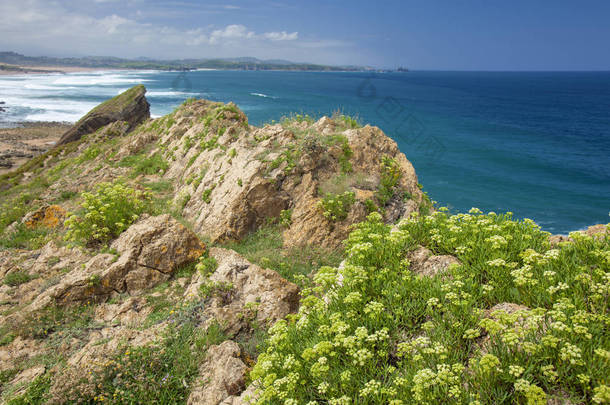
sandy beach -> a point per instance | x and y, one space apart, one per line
26 141
21 70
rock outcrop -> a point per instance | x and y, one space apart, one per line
148 252
231 177
130 106
424 262
271 297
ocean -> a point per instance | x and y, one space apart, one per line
536 144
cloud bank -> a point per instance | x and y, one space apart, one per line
53 27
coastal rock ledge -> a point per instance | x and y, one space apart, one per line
130 106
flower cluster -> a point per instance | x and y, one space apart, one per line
517 321
106 213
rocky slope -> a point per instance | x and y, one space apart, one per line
145 261
70 313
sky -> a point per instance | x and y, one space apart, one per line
425 34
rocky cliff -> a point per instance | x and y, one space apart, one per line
145 260
285 195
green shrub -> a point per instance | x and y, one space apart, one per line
206 265
106 213
376 333
286 218
390 175
17 278
335 207
206 196
89 154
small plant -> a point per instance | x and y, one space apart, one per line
286 218
89 154
240 182
106 213
335 207
346 120
390 175
145 165
206 265
17 278
371 206
207 194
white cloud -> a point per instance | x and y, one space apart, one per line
281 36
39 27
231 32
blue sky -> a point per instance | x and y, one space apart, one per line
434 34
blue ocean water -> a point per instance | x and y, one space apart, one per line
536 144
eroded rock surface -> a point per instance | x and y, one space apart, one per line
148 252
130 106
424 262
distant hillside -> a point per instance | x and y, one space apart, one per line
245 63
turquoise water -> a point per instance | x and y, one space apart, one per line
536 144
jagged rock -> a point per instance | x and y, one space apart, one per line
274 296
221 376
49 216
149 251
271 169
425 263
130 106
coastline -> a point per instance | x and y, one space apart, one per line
34 70
27 140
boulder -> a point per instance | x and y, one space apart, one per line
149 252
221 376
427 264
232 178
48 216
273 296
130 106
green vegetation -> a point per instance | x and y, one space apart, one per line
386 335
390 175
336 206
106 213
346 121
159 373
16 278
24 237
265 248
206 265
142 164
286 218
206 196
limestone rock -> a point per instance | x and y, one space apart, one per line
231 178
425 263
149 251
273 296
221 376
130 106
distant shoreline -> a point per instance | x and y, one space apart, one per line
32 70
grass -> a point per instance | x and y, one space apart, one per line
146 165
25 238
160 372
265 248
17 278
